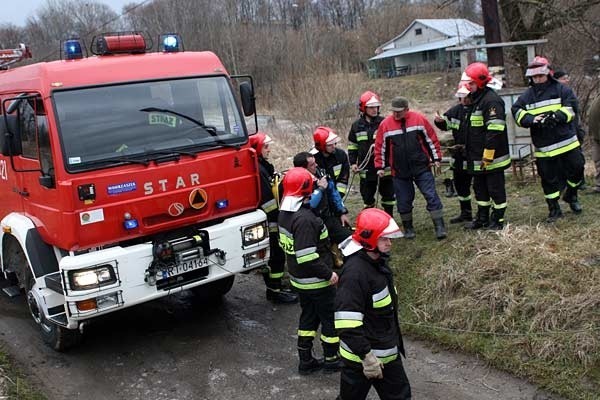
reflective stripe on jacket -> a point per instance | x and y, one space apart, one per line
337 167
360 139
366 310
486 130
544 98
409 145
305 242
454 120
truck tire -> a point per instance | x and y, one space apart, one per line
214 290
54 336
57 337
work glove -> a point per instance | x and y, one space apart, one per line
372 367
487 159
549 121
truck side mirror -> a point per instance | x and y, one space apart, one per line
10 136
47 181
248 99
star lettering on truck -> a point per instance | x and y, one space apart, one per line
166 184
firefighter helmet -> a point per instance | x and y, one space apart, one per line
538 66
373 224
368 99
478 72
323 136
297 185
259 140
297 182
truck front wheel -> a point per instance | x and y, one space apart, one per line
58 337
55 336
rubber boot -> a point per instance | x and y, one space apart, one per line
482 220
389 209
554 211
440 228
332 363
281 296
308 364
407 224
570 197
276 292
466 213
437 216
449 184
497 219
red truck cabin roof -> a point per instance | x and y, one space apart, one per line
138 161
109 69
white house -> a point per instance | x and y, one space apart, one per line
422 47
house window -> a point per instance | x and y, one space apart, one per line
418 31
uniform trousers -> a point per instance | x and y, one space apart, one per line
354 385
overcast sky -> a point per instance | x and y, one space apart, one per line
17 11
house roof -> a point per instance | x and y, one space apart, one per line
452 27
438 44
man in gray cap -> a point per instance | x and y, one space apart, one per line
407 143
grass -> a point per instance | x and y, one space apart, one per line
12 384
527 299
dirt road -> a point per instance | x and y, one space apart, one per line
242 348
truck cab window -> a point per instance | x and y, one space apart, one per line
98 126
34 130
28 127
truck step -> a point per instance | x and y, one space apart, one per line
12 291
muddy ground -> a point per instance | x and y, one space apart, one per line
240 348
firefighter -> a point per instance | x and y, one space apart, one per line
366 313
331 158
454 120
261 142
361 140
486 145
304 238
547 109
328 202
408 144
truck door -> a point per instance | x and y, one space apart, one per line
36 184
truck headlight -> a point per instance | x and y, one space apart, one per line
255 233
92 278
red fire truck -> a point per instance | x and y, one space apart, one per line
125 176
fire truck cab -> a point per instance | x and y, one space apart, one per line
124 177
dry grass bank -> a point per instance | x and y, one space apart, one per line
527 299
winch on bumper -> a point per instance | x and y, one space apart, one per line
105 280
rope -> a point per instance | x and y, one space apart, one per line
361 167
490 333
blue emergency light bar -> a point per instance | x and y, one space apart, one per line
170 43
72 49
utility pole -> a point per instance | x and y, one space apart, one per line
491 26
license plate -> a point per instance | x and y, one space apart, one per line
185 266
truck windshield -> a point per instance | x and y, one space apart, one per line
112 125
